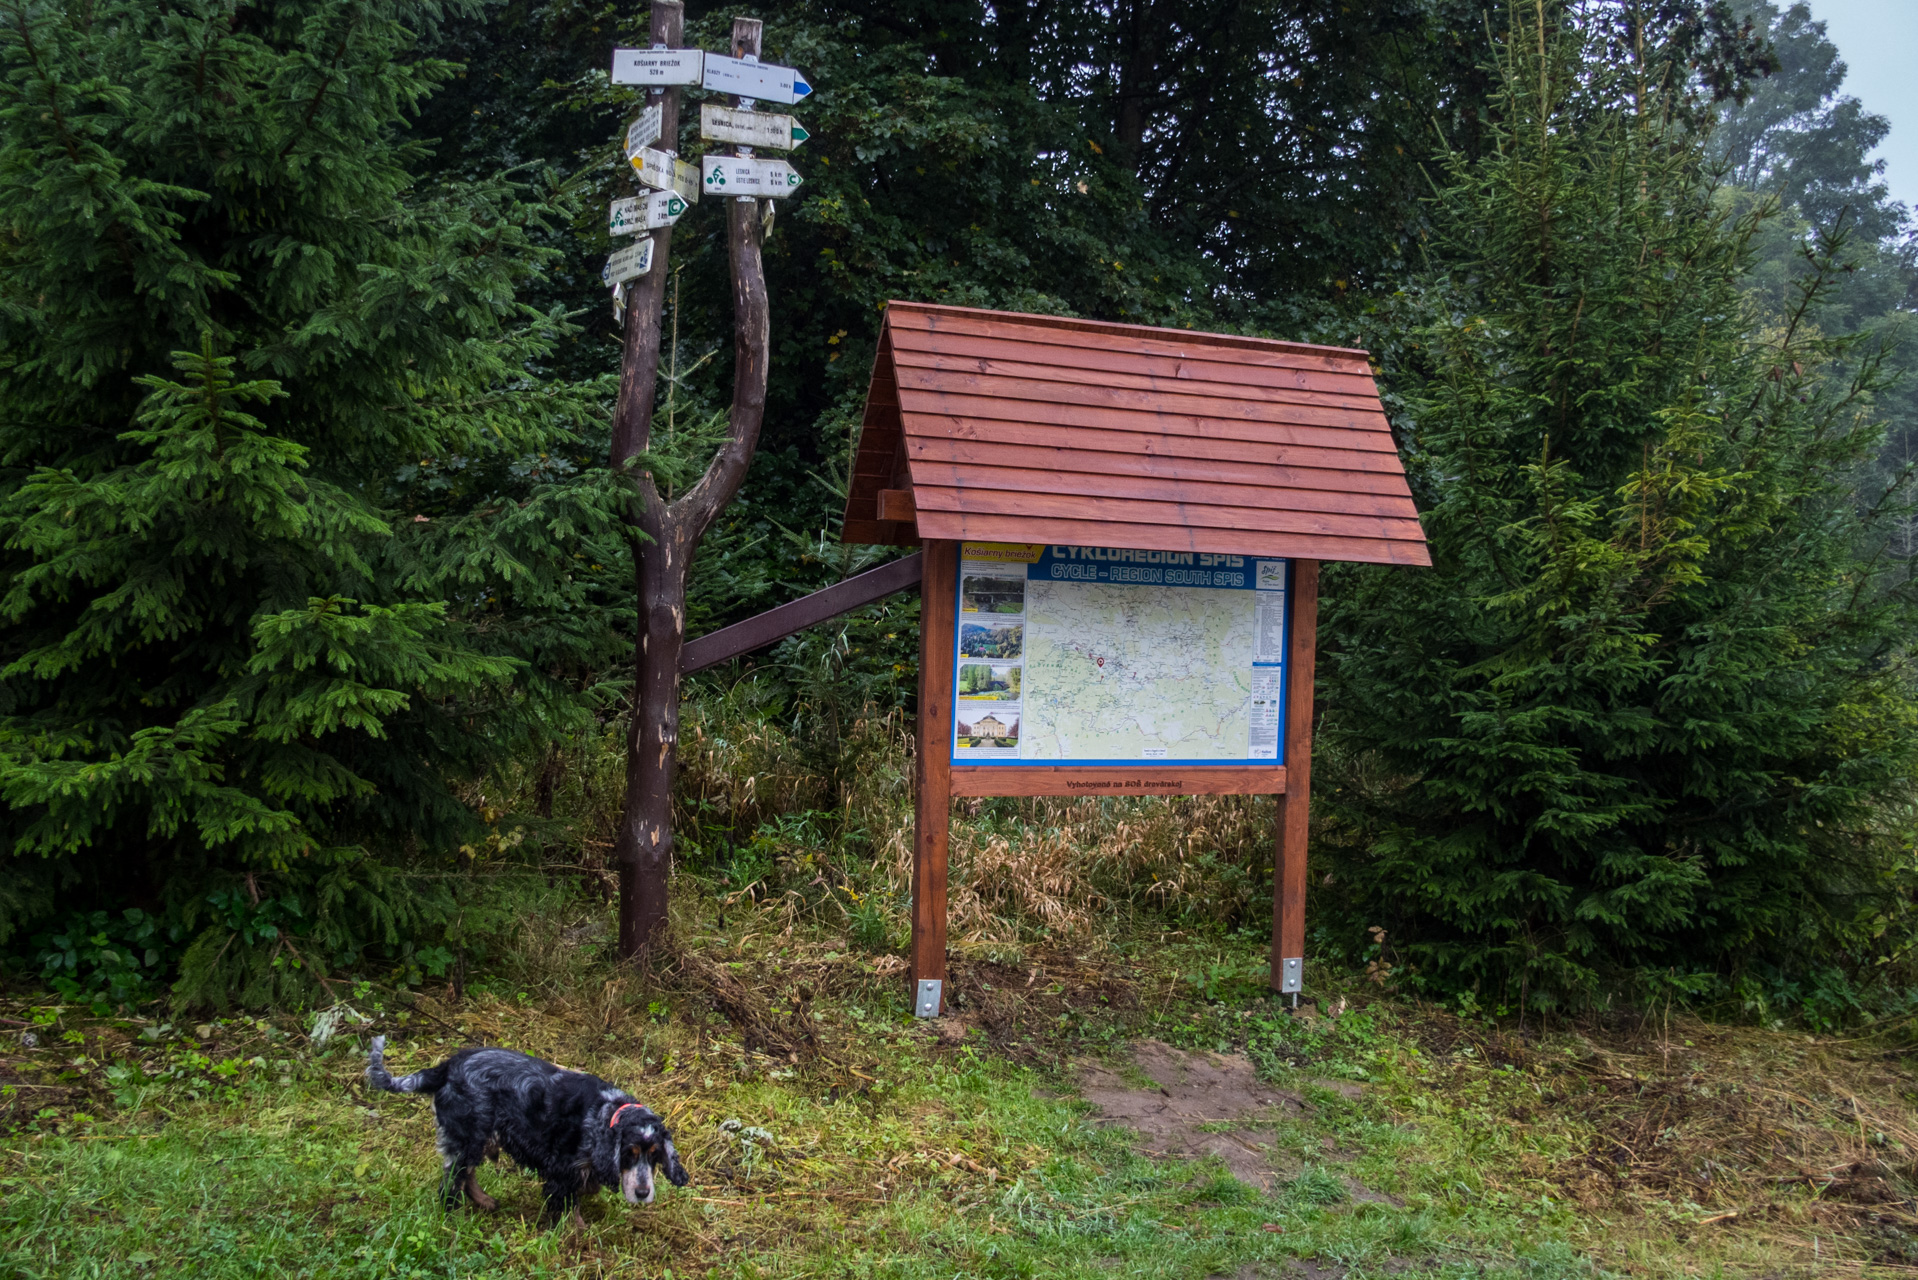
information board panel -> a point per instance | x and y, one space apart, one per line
1111 656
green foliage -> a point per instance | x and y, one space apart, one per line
1652 703
104 963
270 599
308 555
1799 135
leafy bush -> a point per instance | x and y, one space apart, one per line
106 962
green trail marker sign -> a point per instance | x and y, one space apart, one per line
644 213
750 128
746 176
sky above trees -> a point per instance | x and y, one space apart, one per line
1878 40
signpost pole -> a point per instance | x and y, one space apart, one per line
1288 878
666 534
646 298
932 811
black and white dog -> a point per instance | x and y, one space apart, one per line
576 1131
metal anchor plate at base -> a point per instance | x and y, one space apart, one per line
1292 974
927 1005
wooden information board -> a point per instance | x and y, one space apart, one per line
1122 532
1117 656
941 776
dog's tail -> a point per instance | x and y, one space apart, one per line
427 1081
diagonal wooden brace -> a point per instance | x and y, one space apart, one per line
773 625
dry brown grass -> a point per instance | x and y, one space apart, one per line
1668 1122
1023 871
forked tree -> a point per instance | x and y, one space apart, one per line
666 534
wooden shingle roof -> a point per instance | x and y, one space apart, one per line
997 426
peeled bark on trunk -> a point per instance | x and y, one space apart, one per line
667 534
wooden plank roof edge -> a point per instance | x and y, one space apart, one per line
1154 332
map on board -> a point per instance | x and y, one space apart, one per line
1085 655
1137 672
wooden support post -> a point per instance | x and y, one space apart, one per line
1288 878
932 791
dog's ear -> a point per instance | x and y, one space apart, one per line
675 1171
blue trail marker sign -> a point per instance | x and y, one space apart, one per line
761 81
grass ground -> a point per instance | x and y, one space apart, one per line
829 1134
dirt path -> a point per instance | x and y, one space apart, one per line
1190 1090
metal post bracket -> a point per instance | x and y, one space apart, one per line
927 1005
1292 974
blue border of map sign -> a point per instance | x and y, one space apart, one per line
1175 571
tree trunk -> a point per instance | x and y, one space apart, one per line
667 535
645 843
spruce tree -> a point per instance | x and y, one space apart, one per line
294 538
1651 707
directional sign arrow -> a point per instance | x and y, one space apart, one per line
658 66
644 213
644 131
629 263
750 128
667 173
746 176
758 80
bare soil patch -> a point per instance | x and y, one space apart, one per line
1193 1090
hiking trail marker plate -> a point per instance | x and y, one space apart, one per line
760 81
749 128
660 67
644 213
629 263
644 132
747 176
667 173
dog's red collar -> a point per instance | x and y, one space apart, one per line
624 1106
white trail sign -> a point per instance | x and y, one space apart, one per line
747 176
750 128
658 66
757 80
629 263
667 173
644 213
644 131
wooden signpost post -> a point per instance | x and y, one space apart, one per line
665 533
1122 532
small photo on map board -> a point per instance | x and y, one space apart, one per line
988 681
1115 656
991 593
997 640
